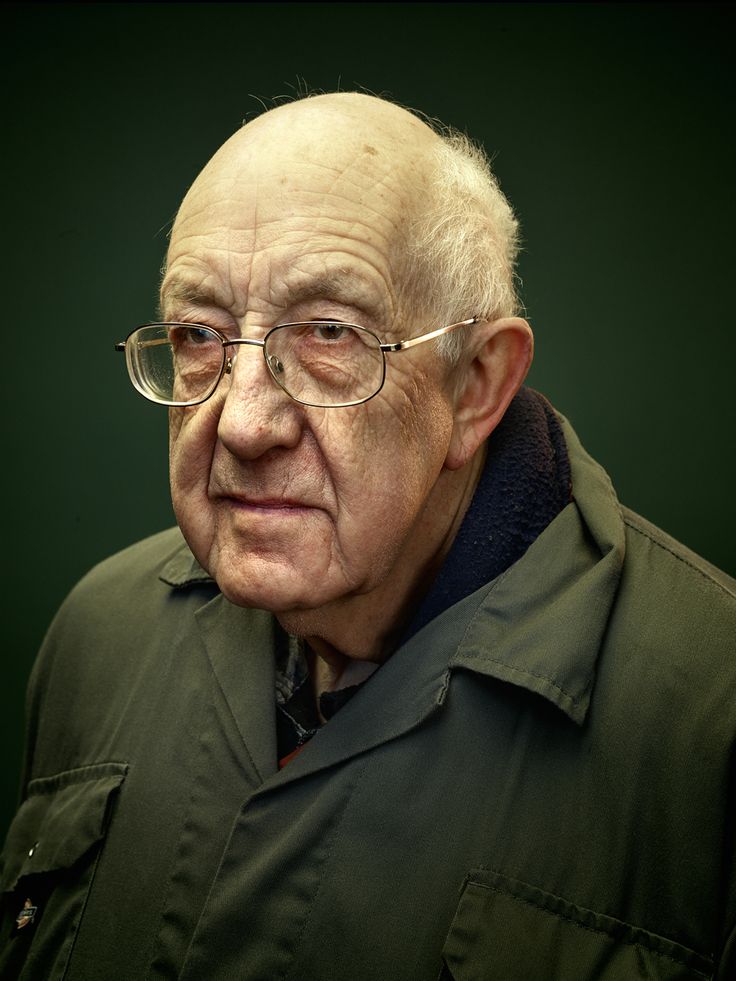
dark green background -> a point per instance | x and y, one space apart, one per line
611 127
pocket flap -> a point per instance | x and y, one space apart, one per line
508 930
60 819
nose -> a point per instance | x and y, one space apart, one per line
256 415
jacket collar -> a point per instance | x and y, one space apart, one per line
540 625
183 570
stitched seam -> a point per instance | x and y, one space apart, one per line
289 968
474 617
78 774
680 558
531 674
216 683
84 907
504 664
157 953
592 929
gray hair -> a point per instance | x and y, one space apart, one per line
461 249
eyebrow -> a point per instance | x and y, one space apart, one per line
341 287
183 291
337 285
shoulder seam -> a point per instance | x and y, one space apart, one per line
680 558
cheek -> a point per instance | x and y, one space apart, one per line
421 426
393 455
192 437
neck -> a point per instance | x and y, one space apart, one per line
366 626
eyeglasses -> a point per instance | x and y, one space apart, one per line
323 363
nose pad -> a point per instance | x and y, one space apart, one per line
256 414
256 377
275 365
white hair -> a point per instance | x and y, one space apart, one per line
461 249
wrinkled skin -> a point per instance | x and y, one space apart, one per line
334 519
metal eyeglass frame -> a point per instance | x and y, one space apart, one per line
227 363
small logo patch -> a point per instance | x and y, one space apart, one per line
27 915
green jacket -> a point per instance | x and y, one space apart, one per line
538 785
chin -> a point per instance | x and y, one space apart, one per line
273 586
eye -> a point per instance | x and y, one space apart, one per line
181 335
194 334
198 335
331 331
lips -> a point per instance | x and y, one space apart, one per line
285 504
270 505
258 493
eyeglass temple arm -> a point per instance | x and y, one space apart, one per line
403 345
120 345
398 346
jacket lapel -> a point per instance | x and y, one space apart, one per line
240 645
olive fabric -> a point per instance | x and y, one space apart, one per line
537 785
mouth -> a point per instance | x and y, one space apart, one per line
266 505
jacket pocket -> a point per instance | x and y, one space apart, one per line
49 861
507 930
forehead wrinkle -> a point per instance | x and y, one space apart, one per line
387 191
337 200
363 173
368 247
395 193
342 286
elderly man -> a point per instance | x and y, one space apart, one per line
413 697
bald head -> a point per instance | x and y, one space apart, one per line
331 131
348 116
446 233
346 144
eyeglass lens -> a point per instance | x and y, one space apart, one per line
325 363
320 363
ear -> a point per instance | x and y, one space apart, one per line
499 360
